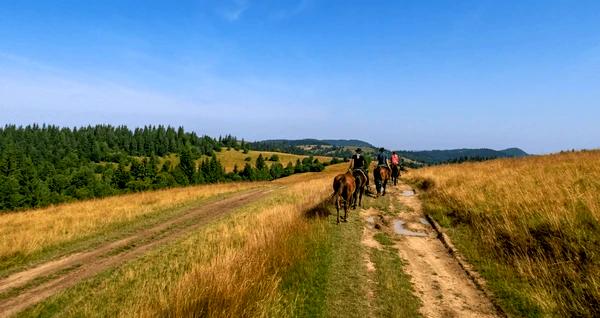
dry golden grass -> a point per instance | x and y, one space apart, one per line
539 216
229 268
243 281
229 158
30 231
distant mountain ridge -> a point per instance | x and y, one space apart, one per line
344 148
440 156
318 142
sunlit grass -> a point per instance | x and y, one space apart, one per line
230 268
27 232
231 158
532 221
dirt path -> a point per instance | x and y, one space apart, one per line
90 263
438 279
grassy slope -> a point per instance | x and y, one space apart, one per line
332 280
33 236
230 158
231 267
530 226
266 259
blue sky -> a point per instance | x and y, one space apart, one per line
400 74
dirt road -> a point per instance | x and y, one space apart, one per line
438 279
65 272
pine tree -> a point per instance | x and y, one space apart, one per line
260 162
187 165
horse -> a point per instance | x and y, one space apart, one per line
360 178
344 186
381 175
395 174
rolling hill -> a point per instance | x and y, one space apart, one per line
441 156
345 148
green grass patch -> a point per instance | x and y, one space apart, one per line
331 280
383 239
394 293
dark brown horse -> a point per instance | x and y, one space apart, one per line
361 182
381 175
344 186
395 173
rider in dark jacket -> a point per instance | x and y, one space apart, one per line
382 159
358 162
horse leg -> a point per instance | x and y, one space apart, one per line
346 210
362 190
384 185
337 208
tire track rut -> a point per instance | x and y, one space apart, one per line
439 280
90 263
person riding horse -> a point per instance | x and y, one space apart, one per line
359 162
381 174
382 159
395 160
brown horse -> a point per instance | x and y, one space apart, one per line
395 173
344 186
360 177
381 175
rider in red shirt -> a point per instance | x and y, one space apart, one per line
395 159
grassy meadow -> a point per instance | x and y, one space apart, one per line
229 268
230 158
530 226
280 256
36 234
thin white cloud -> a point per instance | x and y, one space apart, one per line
235 11
289 12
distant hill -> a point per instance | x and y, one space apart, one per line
344 148
514 152
318 142
457 155
348 143
292 142
340 148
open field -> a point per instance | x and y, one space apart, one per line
29 235
530 226
260 235
230 158
259 250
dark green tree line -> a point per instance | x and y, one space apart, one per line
43 165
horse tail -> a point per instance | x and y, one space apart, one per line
337 190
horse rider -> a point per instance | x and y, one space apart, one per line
395 159
359 162
382 159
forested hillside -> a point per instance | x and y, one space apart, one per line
460 155
340 148
42 165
